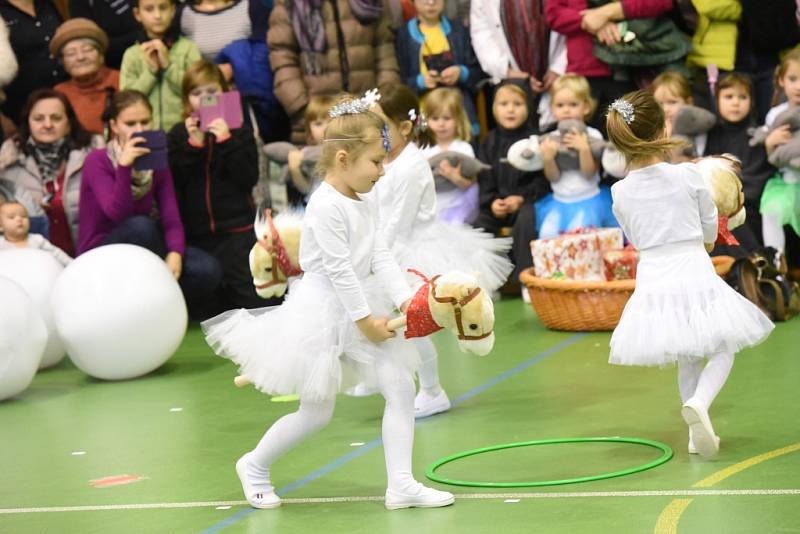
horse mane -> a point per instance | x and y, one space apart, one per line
291 218
458 278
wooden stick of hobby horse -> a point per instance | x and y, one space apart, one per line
395 324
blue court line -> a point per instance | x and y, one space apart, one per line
367 447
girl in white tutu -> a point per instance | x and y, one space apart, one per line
332 328
681 311
417 237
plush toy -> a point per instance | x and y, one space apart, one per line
690 122
722 175
469 166
456 302
525 154
453 301
787 155
275 256
279 153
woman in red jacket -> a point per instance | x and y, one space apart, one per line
581 26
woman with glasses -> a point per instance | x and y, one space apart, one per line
81 46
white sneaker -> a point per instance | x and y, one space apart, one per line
702 432
262 496
424 497
526 297
693 450
426 405
362 390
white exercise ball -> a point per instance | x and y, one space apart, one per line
37 271
23 337
119 311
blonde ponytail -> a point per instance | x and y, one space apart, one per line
640 136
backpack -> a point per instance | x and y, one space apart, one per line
761 278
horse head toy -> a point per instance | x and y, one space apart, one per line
275 256
453 301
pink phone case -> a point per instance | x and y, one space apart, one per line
226 105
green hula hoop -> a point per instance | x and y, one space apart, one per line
665 457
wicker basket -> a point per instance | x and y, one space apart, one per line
586 306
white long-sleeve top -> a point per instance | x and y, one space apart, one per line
665 203
39 242
340 240
406 194
489 39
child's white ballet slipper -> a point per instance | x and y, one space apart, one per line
422 497
703 435
426 405
263 497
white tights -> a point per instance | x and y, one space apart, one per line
772 232
702 381
429 365
396 385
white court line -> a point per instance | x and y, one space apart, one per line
475 496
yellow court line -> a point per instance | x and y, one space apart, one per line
719 476
667 522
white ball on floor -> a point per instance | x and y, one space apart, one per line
119 311
23 337
36 271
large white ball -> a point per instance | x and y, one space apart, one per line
119 311
36 271
23 337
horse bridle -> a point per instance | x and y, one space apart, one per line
457 304
279 255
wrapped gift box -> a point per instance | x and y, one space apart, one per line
621 264
577 255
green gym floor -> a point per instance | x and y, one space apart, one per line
156 454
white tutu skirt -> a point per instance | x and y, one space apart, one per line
437 247
682 309
308 345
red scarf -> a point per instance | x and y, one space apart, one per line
724 236
420 321
527 35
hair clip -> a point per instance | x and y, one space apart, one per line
420 121
624 108
356 106
387 144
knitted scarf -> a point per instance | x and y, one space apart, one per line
48 156
141 181
308 24
526 30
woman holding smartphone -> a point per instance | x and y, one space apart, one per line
119 204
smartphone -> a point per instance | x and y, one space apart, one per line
226 105
156 141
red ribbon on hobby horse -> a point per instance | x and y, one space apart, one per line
724 235
419 320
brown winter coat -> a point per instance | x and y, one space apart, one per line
370 57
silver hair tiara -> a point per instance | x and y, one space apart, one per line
387 144
356 106
624 108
